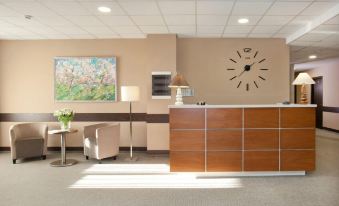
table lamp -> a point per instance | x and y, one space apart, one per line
130 94
178 82
303 79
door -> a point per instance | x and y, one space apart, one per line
317 98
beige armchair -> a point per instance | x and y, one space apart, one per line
101 141
28 140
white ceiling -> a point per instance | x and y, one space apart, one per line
306 24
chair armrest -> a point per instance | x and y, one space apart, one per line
108 136
12 136
90 131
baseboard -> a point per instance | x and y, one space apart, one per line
80 149
158 151
330 129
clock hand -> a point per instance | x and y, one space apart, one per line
241 73
253 63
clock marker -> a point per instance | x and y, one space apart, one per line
233 60
255 84
230 69
233 77
247 50
264 69
261 60
239 84
261 77
239 54
247 87
255 54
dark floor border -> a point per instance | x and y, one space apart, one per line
80 149
85 117
330 129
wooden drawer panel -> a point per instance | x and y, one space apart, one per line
297 117
261 139
187 118
224 161
224 118
297 139
224 140
187 140
261 161
262 118
187 161
297 160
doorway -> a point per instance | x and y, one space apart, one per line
317 98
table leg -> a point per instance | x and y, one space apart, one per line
63 162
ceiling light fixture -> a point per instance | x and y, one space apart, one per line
243 21
104 9
312 56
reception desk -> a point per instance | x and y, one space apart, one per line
239 138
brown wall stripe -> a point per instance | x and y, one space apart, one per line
331 109
85 117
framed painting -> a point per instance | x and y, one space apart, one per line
87 79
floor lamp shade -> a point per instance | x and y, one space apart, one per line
130 93
303 79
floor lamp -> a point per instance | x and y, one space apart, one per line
303 79
130 94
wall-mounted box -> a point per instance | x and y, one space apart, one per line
160 82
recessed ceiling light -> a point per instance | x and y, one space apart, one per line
243 21
104 9
312 56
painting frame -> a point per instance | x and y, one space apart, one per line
55 59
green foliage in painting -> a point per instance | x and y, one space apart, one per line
85 79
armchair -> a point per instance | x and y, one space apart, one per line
101 141
28 140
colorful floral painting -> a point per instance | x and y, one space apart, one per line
85 78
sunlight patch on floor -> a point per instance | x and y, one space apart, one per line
127 168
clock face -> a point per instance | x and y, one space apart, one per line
247 69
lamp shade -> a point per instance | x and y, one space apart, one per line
130 93
303 78
178 82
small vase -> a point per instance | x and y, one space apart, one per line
65 125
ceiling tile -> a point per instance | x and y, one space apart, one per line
203 35
21 21
140 8
250 8
180 19
4 11
98 30
93 8
238 29
116 20
85 20
253 35
290 29
235 35
265 29
29 8
326 29
54 21
56 36
302 20
211 20
148 20
318 8
214 7
81 36
334 20
281 35
133 36
177 7
182 29
154 29
41 30
253 20
16 31
69 30
275 20
107 36
210 29
287 8
126 29
67 8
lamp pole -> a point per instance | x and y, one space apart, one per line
130 131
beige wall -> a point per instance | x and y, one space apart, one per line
26 77
203 62
329 70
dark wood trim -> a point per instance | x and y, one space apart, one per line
80 149
85 117
158 151
331 109
330 129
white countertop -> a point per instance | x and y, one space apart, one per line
241 105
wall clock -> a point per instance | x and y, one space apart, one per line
247 69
